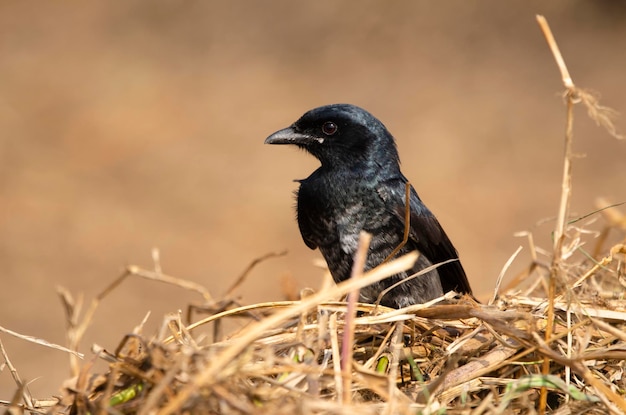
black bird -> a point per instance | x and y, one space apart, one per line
359 186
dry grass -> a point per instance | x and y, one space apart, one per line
553 340
290 357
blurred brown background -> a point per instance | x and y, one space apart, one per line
131 125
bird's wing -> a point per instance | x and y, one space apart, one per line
426 233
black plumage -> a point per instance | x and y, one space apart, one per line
359 186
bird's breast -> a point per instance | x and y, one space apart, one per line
337 211
350 220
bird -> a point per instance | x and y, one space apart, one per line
359 187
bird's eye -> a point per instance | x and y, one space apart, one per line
329 128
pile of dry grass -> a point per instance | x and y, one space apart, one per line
316 356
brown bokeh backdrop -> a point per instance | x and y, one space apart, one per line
131 125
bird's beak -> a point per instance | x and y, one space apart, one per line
290 136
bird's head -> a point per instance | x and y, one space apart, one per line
341 135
